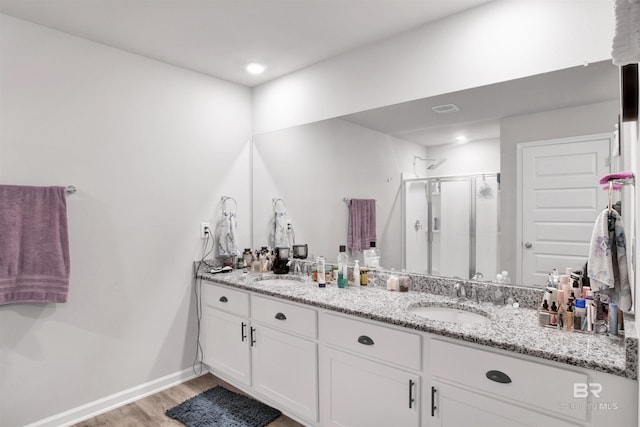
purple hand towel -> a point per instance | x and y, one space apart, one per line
616 175
34 244
362 224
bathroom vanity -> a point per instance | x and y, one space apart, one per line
363 356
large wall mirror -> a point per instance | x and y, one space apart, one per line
465 183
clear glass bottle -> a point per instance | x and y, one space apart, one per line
320 264
356 273
372 256
343 262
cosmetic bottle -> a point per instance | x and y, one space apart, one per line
555 277
356 273
543 314
553 319
320 263
562 315
575 288
579 313
364 276
569 318
343 260
613 319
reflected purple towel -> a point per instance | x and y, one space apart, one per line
362 224
34 244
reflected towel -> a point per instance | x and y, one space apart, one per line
34 244
227 235
280 238
607 266
626 40
362 224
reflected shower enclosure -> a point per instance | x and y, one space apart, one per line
451 225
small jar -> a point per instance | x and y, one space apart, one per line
364 276
314 273
404 284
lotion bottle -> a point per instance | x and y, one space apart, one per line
356 273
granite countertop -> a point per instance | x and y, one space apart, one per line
511 329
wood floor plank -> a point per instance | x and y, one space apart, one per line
150 410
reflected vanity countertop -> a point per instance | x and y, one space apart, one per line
511 329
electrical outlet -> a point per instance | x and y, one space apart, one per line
204 229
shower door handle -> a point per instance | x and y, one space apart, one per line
528 245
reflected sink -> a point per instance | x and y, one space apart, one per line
278 281
449 314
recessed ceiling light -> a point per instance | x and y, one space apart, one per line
461 138
444 109
255 68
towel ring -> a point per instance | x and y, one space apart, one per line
225 199
275 205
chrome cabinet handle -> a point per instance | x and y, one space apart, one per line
281 316
363 339
528 245
223 299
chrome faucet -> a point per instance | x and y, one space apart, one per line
460 291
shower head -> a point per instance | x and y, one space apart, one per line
436 163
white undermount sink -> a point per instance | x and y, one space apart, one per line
449 314
278 281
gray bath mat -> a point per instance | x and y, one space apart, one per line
219 407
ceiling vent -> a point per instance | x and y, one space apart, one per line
445 109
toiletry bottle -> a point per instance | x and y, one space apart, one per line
555 277
562 315
247 257
320 262
404 283
543 314
356 273
372 256
392 282
613 319
575 288
569 318
343 261
364 276
579 314
553 319
505 277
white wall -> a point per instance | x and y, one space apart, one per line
313 167
151 149
577 121
465 159
495 42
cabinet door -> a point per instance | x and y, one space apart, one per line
285 370
360 393
455 407
226 345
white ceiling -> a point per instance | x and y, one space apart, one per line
482 108
218 37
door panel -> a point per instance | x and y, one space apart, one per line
561 198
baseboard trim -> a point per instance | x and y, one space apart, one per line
97 407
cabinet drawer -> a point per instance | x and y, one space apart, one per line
397 347
285 316
229 300
545 387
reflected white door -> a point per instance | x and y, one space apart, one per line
560 199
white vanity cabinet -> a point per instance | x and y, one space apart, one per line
284 357
369 374
226 332
472 386
264 346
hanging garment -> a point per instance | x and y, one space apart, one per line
34 244
227 235
362 224
607 265
280 237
